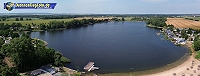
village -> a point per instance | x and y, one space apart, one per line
180 36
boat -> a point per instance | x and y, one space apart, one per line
157 33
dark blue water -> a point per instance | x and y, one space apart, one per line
114 47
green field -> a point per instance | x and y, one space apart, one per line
195 18
35 21
38 21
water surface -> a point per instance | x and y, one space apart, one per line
114 47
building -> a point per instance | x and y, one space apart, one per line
37 72
48 69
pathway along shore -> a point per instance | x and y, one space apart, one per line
189 68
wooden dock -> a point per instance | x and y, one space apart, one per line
90 66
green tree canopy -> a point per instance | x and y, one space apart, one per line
197 45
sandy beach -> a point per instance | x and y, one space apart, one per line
188 68
184 68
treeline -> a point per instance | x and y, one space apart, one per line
138 19
156 21
27 54
191 19
71 24
7 30
51 25
118 19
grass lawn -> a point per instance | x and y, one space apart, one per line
35 21
128 18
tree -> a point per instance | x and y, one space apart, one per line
42 26
18 24
123 19
4 19
20 50
6 71
185 36
59 60
1 42
28 27
17 19
197 45
21 18
15 35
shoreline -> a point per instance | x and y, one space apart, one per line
160 71
185 67
166 70
151 71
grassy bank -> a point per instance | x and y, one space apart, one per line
154 26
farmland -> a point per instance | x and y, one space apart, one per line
35 21
183 23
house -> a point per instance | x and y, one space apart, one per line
180 41
48 69
9 38
7 41
36 72
1 36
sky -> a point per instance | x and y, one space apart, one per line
112 6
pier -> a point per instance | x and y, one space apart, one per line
90 66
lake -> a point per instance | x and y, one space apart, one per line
114 46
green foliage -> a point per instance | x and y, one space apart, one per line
189 31
78 74
6 71
3 19
14 35
123 19
25 55
185 36
42 26
64 74
20 50
1 42
156 21
60 60
197 45
115 19
137 19
198 55
21 18
171 27
17 19
4 33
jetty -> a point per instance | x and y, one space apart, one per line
90 67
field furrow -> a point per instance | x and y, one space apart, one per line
183 23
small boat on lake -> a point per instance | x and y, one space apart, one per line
158 33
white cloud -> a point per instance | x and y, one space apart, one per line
155 1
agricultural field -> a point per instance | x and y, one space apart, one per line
35 21
183 23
